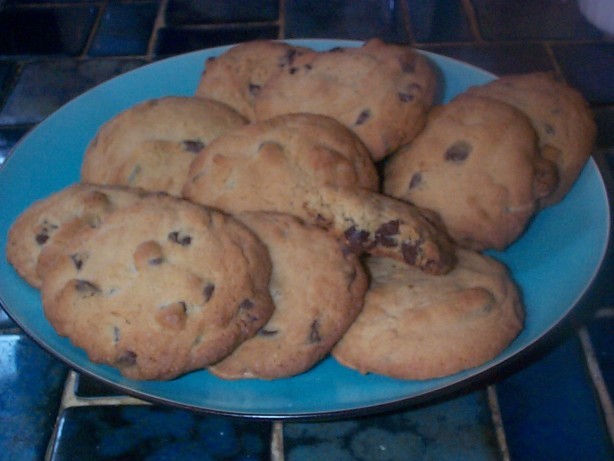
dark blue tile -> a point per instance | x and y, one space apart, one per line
590 68
87 387
31 385
359 20
173 41
604 116
45 86
601 331
8 138
156 434
125 29
5 321
184 12
500 59
550 412
532 19
438 21
40 30
456 429
6 71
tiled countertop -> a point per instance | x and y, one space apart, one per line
556 406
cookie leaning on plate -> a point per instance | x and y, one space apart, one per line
477 164
237 76
42 229
160 288
318 290
560 115
381 91
152 144
416 326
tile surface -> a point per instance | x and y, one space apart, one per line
184 12
437 21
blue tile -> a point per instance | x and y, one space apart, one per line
155 434
438 21
40 30
550 412
125 29
501 59
6 71
45 86
604 116
601 331
532 19
173 40
359 20
86 387
590 68
6 323
184 12
455 429
31 385
8 138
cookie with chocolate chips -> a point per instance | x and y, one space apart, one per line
160 288
152 144
417 326
237 76
560 115
477 165
380 91
315 301
42 229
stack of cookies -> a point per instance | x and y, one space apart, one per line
303 204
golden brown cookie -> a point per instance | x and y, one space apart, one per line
160 288
237 76
478 166
318 290
152 144
560 115
42 229
380 91
417 326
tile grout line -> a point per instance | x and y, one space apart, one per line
158 24
497 419
597 378
277 441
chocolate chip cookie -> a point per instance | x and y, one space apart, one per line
160 288
152 144
417 326
316 300
381 91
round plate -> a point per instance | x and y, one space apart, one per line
554 263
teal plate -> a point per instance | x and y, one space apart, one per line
554 263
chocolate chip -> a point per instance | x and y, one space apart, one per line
126 359
415 180
208 291
384 234
357 239
363 117
458 152
41 238
293 70
267 333
254 89
314 332
180 238
246 304
549 129
192 145
156 261
410 252
308 66
78 259
46 229
288 58
406 97
86 288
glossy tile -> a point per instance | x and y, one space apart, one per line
156 434
532 20
500 59
6 323
6 71
549 410
8 138
437 21
604 116
590 68
39 30
359 20
183 12
173 41
30 388
86 387
44 86
456 429
125 29
601 332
